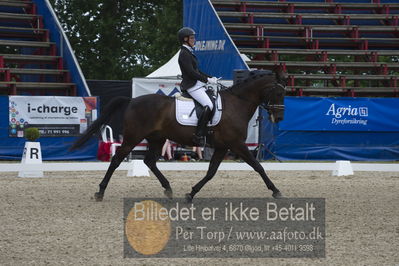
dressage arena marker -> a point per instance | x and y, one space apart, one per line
339 168
138 168
343 168
32 156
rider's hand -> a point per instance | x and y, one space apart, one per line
213 80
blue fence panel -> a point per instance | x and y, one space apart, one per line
216 53
53 148
316 129
341 114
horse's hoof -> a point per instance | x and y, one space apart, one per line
189 198
98 196
277 195
168 193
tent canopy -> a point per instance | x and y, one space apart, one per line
168 70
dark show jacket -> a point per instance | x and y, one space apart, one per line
189 69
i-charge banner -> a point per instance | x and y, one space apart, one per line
54 116
341 114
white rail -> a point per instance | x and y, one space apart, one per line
199 166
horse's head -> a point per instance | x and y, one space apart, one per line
273 98
265 90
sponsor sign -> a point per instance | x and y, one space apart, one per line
54 116
341 114
210 45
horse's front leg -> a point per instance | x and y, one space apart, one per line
242 150
151 157
116 160
216 159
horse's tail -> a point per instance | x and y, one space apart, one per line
115 104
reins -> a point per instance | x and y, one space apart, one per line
238 96
267 106
229 90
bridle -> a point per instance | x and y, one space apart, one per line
270 108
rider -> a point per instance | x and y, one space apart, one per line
194 81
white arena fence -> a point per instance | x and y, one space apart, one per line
137 167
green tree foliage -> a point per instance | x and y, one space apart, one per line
117 40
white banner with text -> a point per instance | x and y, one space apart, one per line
54 116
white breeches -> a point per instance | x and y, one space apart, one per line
199 94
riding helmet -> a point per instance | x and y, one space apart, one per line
184 32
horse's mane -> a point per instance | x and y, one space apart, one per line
247 83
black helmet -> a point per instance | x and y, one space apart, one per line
184 32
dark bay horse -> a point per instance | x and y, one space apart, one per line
152 117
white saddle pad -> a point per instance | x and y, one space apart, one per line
184 107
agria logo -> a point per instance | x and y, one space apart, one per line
347 111
363 111
348 115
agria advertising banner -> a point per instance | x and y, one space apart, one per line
341 114
54 116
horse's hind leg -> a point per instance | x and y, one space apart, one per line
151 157
116 160
216 159
242 150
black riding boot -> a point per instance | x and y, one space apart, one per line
201 130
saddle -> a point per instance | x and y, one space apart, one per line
186 106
